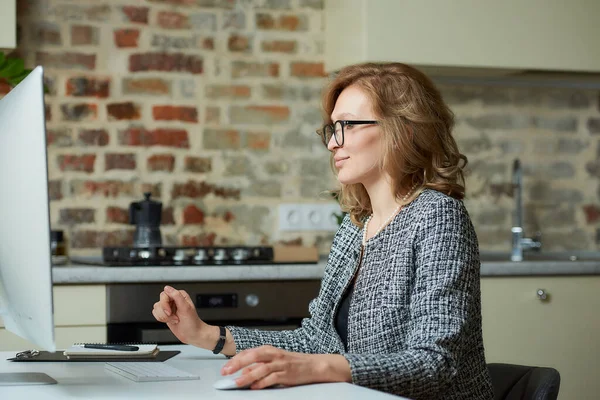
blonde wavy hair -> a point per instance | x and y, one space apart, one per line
419 148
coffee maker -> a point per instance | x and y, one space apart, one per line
146 215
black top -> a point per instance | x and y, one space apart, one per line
341 317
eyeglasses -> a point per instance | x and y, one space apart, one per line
337 130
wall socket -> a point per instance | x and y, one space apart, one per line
308 216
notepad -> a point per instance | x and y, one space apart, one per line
144 351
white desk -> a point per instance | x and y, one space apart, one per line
91 381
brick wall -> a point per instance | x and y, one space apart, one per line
212 105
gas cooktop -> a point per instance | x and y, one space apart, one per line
210 255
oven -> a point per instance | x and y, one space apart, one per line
271 305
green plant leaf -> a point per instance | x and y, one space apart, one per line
2 58
14 67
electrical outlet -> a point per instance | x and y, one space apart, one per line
308 216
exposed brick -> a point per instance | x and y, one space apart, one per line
193 215
568 124
84 35
93 137
212 115
307 70
276 4
258 140
168 216
121 111
240 69
155 190
227 91
47 33
136 14
593 125
77 11
221 139
79 112
592 213
55 190
177 113
119 161
161 162
208 43
279 46
70 216
173 20
126 37
202 189
177 42
500 121
50 83
272 188
198 164
88 87
282 23
157 137
203 239
117 215
82 163
287 92
59 137
234 20
110 188
239 43
316 4
90 239
153 86
203 21
175 62
66 60
47 112
259 114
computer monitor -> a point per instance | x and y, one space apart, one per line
26 306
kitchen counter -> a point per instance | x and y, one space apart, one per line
79 273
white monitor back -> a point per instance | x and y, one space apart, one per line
25 255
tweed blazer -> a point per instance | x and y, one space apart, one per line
414 324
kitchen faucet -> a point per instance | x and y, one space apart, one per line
520 243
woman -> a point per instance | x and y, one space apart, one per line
399 305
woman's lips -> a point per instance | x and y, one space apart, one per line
340 161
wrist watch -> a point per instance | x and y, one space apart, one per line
221 341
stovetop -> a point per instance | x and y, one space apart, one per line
192 256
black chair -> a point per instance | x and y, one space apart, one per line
520 382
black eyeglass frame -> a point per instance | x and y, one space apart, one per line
325 137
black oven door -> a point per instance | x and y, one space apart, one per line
272 305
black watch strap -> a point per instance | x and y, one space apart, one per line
221 341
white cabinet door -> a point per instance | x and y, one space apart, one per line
562 331
548 35
8 24
65 336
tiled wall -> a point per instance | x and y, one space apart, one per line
212 106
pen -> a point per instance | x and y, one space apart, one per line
120 347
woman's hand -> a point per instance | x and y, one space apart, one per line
268 366
178 311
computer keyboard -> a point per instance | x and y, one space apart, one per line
149 371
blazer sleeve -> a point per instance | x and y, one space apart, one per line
444 303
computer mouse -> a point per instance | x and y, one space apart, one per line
228 384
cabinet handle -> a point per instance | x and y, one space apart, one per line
541 294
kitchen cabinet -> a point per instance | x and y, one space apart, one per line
508 36
561 331
8 24
79 316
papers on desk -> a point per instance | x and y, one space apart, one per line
79 351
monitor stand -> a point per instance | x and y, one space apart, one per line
25 378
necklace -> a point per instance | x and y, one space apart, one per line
387 221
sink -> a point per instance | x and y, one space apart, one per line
562 256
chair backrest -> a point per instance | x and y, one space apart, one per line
520 382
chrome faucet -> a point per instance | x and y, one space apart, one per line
519 242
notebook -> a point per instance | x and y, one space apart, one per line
79 351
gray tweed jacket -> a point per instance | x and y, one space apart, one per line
414 326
